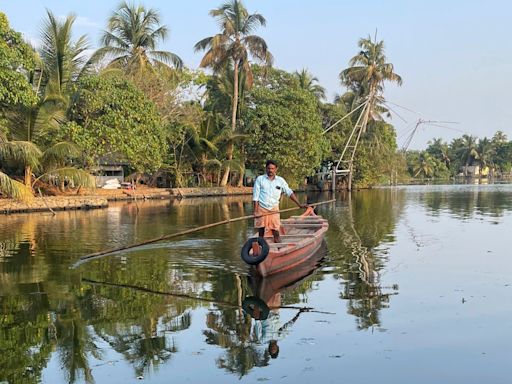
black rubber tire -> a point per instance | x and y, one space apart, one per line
254 260
251 302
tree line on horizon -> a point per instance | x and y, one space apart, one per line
63 113
442 160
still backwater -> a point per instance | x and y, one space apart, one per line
413 285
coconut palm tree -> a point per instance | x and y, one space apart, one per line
425 165
486 152
439 149
499 137
367 73
234 45
131 39
60 64
467 151
307 82
63 61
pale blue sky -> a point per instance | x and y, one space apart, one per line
454 56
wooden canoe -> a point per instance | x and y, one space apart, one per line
301 237
267 287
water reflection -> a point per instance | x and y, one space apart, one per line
466 201
363 222
144 308
267 299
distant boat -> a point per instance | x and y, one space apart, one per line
301 237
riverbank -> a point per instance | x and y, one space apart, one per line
99 198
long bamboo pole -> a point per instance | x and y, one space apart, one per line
96 255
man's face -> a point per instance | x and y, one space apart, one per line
271 170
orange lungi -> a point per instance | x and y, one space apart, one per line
272 222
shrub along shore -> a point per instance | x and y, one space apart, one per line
100 198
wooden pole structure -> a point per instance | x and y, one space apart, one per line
96 255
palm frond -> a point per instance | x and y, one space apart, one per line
59 153
208 144
213 163
22 152
77 176
201 45
233 164
167 58
14 189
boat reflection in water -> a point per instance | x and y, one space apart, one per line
263 306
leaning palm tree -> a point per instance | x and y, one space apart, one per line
307 82
131 39
234 45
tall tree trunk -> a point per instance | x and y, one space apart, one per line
229 150
28 176
242 169
229 156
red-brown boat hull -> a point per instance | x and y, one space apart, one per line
267 287
303 236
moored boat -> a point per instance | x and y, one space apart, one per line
301 237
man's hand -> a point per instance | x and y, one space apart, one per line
304 206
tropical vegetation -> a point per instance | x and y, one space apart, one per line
63 112
467 155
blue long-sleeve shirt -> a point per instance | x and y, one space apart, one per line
268 192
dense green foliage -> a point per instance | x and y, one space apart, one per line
112 119
16 60
133 103
27 139
285 125
376 159
464 156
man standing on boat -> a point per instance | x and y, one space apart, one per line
266 194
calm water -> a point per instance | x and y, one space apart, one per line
414 286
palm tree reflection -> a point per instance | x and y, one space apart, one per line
362 288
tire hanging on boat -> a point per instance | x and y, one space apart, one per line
251 259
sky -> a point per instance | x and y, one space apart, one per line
454 56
